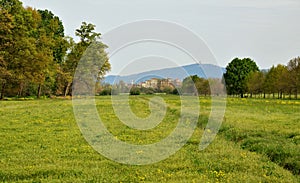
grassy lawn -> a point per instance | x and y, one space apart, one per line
259 141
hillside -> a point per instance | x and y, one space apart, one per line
202 70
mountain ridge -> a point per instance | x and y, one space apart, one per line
202 70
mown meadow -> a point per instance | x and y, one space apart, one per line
259 141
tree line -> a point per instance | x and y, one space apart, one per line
244 78
36 58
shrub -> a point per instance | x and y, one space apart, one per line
135 91
105 92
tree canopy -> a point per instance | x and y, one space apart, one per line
237 74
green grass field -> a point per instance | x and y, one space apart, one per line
259 141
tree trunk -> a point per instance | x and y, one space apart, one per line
242 95
20 90
39 91
67 89
2 90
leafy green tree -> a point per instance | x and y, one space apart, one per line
87 33
7 7
255 82
196 85
51 28
21 50
29 58
91 52
237 73
282 77
6 26
216 86
270 82
135 91
277 80
294 75
65 72
43 68
11 6
203 86
189 85
55 30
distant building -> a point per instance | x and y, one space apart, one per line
177 82
161 83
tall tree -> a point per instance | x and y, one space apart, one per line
11 6
90 50
6 26
64 71
87 33
216 86
189 85
43 66
20 51
54 28
196 85
294 76
237 73
270 81
35 46
203 86
276 80
282 80
255 82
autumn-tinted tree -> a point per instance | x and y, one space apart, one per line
6 26
237 73
31 55
21 50
33 51
11 6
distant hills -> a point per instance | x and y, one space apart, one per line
202 70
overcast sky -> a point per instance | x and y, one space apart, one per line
265 30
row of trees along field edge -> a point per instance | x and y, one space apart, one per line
244 77
36 58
